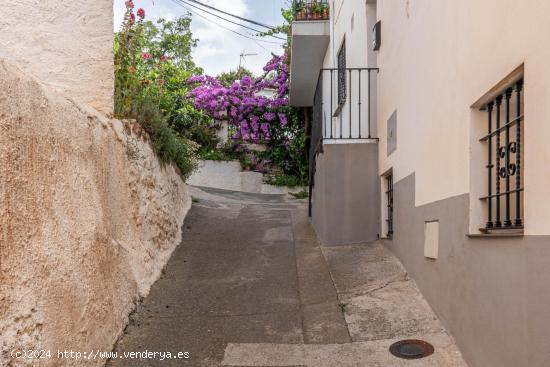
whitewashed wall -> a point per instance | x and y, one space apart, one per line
352 21
437 59
66 44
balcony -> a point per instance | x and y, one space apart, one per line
344 184
344 108
310 39
311 10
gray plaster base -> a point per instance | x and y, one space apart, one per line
492 294
346 195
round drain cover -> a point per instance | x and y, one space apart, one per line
411 349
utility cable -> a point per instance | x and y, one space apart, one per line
177 2
227 20
233 15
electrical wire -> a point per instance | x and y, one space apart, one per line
227 20
233 15
177 2
217 16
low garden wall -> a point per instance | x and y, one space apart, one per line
88 219
228 175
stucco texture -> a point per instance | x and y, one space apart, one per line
437 59
491 293
88 219
68 45
346 199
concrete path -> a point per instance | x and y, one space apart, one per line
251 286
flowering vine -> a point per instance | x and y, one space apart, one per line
251 105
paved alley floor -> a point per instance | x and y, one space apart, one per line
251 286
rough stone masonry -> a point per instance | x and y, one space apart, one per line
88 218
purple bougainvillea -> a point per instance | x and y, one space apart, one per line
243 104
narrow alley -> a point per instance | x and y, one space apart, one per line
251 286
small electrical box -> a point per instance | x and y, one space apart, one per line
377 36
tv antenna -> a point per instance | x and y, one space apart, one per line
243 55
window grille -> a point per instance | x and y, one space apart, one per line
389 204
504 159
342 80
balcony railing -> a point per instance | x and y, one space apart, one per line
311 10
343 106
342 109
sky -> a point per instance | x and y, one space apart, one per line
219 50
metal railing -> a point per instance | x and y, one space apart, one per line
342 109
506 112
344 100
311 10
389 205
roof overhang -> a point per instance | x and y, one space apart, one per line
310 40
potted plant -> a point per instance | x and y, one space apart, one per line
316 10
299 10
325 11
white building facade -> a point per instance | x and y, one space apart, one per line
452 174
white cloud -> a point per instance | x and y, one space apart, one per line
219 49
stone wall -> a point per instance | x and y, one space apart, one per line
88 218
68 45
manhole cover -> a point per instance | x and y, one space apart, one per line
411 349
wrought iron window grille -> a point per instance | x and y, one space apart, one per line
504 160
389 204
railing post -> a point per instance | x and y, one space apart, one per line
507 221
518 222
490 168
349 101
359 104
370 107
331 101
498 223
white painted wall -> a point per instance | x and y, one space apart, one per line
67 45
228 175
353 21
437 59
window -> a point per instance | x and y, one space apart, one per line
504 199
342 82
388 178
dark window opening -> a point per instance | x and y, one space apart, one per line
504 198
389 204
342 80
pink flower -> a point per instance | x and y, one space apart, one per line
163 58
146 56
141 13
129 4
283 119
133 17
